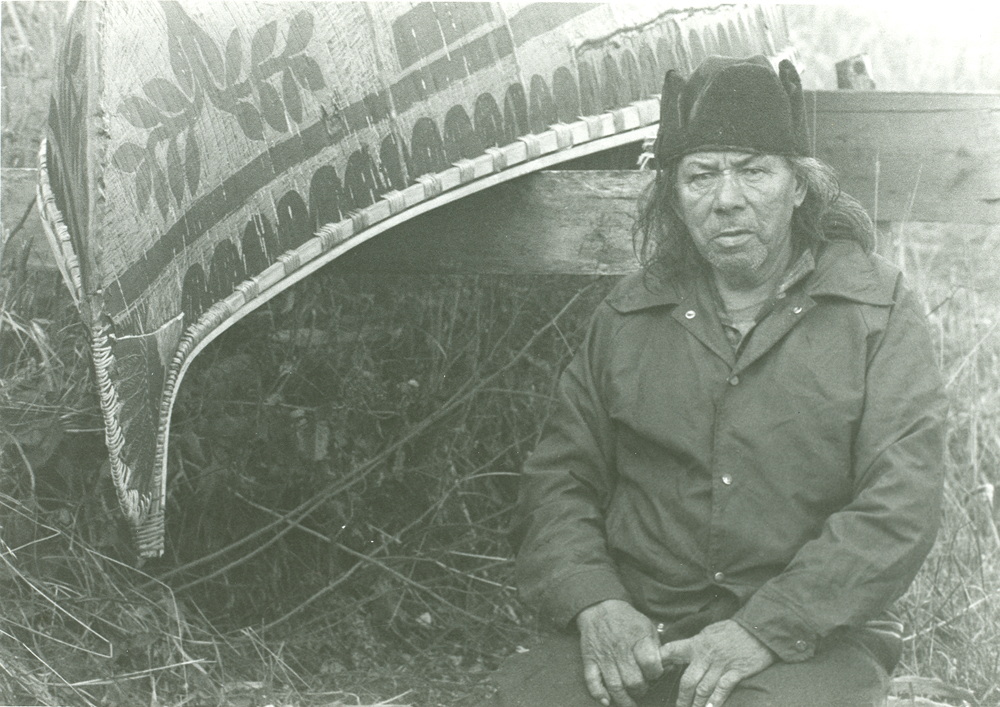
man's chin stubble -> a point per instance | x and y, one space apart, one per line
739 269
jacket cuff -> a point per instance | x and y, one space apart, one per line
779 627
571 595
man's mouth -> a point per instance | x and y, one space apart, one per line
733 237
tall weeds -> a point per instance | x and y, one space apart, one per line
952 609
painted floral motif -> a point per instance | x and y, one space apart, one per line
254 84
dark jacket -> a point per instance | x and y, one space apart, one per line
803 476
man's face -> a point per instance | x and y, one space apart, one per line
738 209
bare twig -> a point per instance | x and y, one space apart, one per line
372 560
970 353
315 597
138 674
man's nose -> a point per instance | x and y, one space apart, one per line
729 192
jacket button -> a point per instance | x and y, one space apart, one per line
689 314
719 577
782 295
801 646
796 310
727 479
735 380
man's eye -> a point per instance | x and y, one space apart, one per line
754 171
701 177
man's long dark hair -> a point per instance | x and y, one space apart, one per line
664 245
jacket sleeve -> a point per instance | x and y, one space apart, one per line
563 565
869 551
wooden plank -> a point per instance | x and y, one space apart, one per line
913 156
568 222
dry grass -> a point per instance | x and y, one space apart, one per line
952 610
344 462
31 31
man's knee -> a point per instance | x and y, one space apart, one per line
849 669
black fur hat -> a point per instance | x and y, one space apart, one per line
732 104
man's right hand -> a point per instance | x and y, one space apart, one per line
621 652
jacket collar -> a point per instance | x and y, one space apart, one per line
645 289
842 270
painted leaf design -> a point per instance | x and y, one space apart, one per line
175 171
290 91
156 136
271 107
140 112
308 73
143 185
165 95
180 65
300 31
198 45
250 121
210 52
192 161
160 190
75 52
128 157
262 43
234 57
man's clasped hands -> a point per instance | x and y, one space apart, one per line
622 655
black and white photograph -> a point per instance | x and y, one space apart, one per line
499 354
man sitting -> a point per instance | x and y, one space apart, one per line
744 469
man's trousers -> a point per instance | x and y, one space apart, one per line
849 669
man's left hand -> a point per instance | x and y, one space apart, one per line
718 658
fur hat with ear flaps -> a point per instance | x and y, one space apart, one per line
732 104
